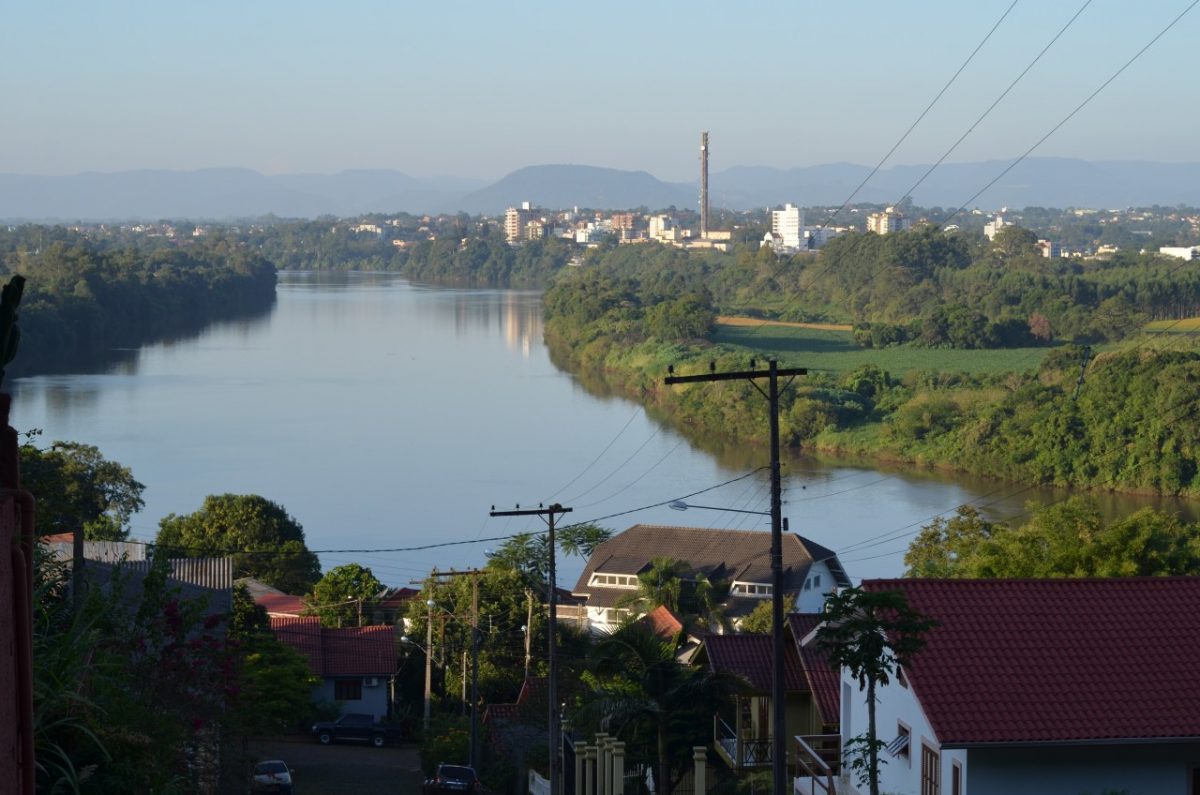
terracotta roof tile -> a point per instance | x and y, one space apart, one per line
663 622
302 633
281 604
823 677
359 651
1057 660
355 651
749 656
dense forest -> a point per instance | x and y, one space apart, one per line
82 300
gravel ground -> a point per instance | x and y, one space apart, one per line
345 767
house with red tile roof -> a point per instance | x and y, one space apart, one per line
742 735
1043 687
356 665
740 558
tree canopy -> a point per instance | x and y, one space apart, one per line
264 540
77 487
641 694
1070 539
338 596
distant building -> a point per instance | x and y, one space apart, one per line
788 224
995 225
1050 249
515 219
367 229
890 220
659 225
622 221
1181 252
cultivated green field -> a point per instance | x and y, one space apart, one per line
820 349
1189 325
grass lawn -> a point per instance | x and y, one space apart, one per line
824 349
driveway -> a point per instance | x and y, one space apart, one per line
345 767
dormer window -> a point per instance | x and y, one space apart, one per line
614 580
757 589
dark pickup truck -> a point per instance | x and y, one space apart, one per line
360 728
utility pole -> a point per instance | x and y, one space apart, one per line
778 709
528 630
554 740
475 639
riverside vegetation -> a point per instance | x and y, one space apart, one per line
1015 415
85 299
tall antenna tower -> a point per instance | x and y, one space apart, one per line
704 184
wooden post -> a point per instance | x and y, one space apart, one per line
580 754
700 760
618 768
602 763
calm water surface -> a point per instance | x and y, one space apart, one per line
383 414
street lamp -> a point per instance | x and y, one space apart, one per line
680 505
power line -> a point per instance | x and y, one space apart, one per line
1003 94
925 112
1078 108
607 447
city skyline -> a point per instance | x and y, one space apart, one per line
479 91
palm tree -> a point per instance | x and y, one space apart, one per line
638 685
660 584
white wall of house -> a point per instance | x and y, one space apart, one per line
374 699
896 706
818 584
1084 770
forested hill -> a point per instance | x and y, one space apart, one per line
82 302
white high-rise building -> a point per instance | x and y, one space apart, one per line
890 220
788 223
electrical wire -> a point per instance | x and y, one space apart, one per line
1077 108
919 118
997 101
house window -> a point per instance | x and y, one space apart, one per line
956 779
899 746
751 589
808 584
615 580
347 690
930 771
816 580
901 679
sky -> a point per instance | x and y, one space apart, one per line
478 89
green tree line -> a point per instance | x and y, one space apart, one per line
82 300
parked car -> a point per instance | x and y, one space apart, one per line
361 728
453 778
271 775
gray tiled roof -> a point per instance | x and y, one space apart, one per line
742 555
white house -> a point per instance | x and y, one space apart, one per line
739 557
1043 687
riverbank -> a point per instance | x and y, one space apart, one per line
1127 431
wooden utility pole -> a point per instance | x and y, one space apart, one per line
778 709
554 741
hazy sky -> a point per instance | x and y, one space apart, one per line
479 89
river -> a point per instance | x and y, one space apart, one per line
385 415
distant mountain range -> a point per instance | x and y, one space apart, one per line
216 194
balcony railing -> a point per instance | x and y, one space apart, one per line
741 752
818 757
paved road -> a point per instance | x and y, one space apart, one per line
345 767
